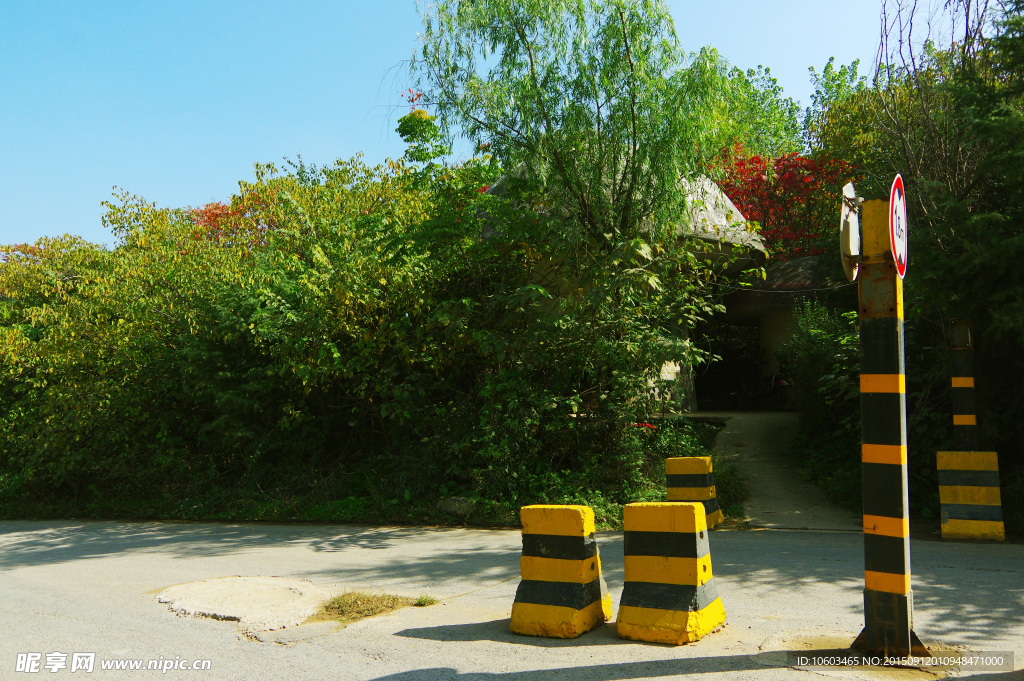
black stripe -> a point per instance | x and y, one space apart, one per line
963 401
883 489
962 362
969 478
971 512
881 350
965 438
882 418
560 594
710 505
886 554
887 616
668 544
682 597
558 546
690 480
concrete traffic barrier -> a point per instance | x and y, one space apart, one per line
969 495
669 594
691 478
562 593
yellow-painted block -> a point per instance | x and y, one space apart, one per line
714 518
886 527
669 570
967 461
963 381
883 383
661 516
973 529
976 496
558 622
887 582
691 493
688 465
557 570
569 521
874 227
965 420
893 454
674 627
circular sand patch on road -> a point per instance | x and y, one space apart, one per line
256 603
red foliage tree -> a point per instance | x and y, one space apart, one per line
242 223
795 199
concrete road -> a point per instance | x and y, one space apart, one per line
88 587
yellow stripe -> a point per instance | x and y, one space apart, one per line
975 496
714 518
973 529
567 521
963 381
666 570
558 570
691 493
899 296
559 622
894 454
967 461
688 465
887 527
965 420
883 383
660 516
674 627
887 582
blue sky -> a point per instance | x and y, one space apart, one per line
176 101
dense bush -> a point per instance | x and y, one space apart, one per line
948 117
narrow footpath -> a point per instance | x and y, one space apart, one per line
779 496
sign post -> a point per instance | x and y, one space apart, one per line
888 599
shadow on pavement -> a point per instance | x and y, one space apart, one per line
497 630
971 593
604 672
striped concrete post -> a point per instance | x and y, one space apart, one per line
968 479
888 599
969 495
965 420
691 478
562 593
669 595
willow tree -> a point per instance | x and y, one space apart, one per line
596 100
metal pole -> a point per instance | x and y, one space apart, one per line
888 599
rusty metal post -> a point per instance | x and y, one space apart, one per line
888 599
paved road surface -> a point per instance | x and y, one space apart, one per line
88 587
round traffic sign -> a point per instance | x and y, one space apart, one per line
898 225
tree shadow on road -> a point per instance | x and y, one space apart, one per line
964 593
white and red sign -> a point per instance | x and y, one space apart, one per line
898 225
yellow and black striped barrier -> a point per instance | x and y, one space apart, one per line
669 594
965 418
562 593
969 495
691 478
968 479
888 600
